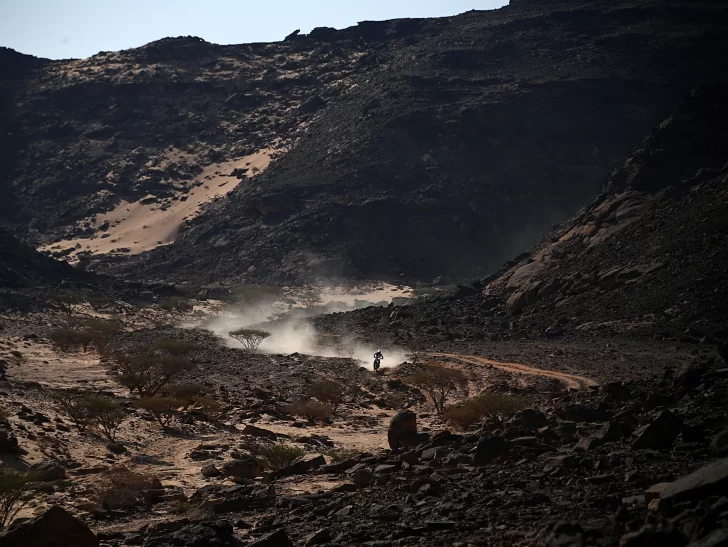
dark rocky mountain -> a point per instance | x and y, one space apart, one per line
407 149
647 257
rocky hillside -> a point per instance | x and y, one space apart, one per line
403 149
648 256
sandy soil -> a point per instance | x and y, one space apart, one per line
138 227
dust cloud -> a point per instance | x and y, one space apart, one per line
291 333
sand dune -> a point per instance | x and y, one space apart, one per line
137 227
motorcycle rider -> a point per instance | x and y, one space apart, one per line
378 356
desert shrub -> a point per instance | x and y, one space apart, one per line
338 455
186 393
280 455
310 298
438 382
175 303
314 412
64 338
69 302
164 409
484 406
105 414
72 405
249 338
328 392
394 400
148 374
121 488
13 487
416 350
101 331
174 347
210 409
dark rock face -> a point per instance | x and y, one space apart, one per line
195 535
458 142
54 528
403 431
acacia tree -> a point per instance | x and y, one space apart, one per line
13 487
310 298
416 350
328 392
438 382
249 338
148 374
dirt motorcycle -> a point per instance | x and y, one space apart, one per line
377 362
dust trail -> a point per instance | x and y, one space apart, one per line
291 333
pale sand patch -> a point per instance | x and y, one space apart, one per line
136 227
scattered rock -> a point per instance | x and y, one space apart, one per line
660 433
47 471
54 528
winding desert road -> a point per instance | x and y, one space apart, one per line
571 380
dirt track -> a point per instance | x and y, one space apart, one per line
571 380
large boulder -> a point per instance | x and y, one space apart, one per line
402 431
47 471
247 468
661 432
489 448
298 468
54 528
709 480
195 535
279 538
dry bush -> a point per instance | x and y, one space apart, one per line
69 302
313 412
64 338
249 338
13 487
310 298
176 348
72 404
484 406
438 382
186 393
338 455
177 303
416 350
328 392
100 332
210 409
394 400
105 414
148 374
280 455
165 410
121 488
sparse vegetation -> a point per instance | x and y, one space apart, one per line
484 406
211 409
438 382
175 303
69 302
72 404
314 412
101 331
310 298
165 410
249 338
13 487
120 488
328 392
416 350
106 415
64 338
148 374
186 393
280 455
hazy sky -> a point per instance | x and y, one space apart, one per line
61 29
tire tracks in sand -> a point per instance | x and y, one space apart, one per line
570 380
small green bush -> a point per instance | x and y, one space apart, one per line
484 406
165 410
186 393
338 455
148 374
281 455
314 412
328 392
438 382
